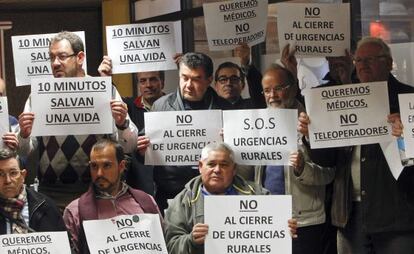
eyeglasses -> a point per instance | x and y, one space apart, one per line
276 89
12 174
61 58
233 80
368 59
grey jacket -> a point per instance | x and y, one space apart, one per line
307 190
187 209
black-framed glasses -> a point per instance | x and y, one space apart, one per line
233 79
61 57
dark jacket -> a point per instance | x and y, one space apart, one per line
387 204
44 216
170 180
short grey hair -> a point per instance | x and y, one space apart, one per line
217 146
75 41
385 49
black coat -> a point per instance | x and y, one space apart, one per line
44 216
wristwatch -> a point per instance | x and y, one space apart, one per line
124 126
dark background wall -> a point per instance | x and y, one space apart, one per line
42 21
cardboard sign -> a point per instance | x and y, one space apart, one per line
72 106
233 22
348 115
31 56
314 29
140 233
44 242
177 137
141 47
261 136
248 224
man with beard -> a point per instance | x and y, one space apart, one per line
107 196
302 178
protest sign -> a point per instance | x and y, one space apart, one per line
314 29
233 22
248 224
31 57
407 118
140 233
346 115
177 137
71 106
4 118
44 242
261 136
141 47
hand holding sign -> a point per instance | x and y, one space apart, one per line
26 124
199 233
105 68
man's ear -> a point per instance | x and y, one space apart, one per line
122 166
80 58
23 172
200 165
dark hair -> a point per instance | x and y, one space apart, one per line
229 65
194 60
102 143
6 153
75 41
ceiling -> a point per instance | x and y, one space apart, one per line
29 4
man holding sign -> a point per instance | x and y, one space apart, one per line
186 231
22 209
302 178
194 93
108 196
371 208
64 159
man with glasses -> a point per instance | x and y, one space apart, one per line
373 211
302 178
23 210
63 160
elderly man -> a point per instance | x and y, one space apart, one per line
63 173
371 208
186 231
194 93
108 196
302 179
22 209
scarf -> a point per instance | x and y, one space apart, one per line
13 207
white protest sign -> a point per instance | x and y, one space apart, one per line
407 118
314 29
44 242
261 136
177 137
233 22
141 47
71 106
348 115
248 224
31 56
4 118
140 233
